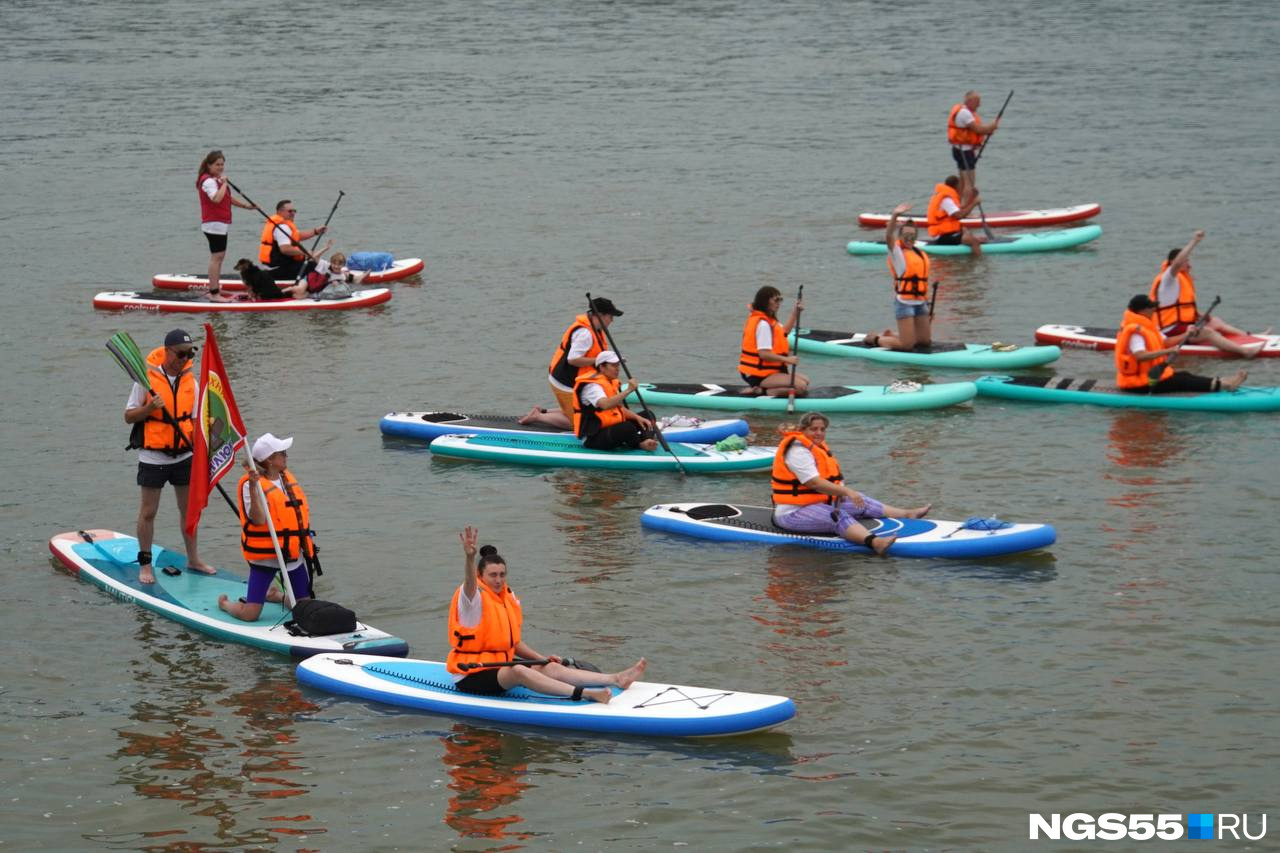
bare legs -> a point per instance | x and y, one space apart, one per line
1215 335
912 332
553 418
556 679
779 384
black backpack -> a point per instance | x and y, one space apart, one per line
315 618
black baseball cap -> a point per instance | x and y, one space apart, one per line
177 338
600 305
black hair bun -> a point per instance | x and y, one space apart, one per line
488 550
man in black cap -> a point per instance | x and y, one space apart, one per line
576 356
162 419
1141 347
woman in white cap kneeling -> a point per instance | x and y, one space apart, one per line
286 505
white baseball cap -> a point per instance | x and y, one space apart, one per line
269 444
608 357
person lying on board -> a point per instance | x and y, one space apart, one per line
600 414
575 357
809 494
946 209
485 620
286 505
1174 291
763 362
909 267
1141 345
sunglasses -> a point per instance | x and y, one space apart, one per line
185 353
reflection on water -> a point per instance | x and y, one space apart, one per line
800 606
487 771
589 518
221 775
1141 445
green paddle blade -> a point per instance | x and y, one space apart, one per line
127 355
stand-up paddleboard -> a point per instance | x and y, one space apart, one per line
168 302
1103 339
696 458
108 560
917 537
400 268
896 397
999 218
1056 389
994 356
1040 241
644 708
427 426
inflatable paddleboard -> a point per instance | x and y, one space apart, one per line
108 560
518 450
1040 241
1057 389
1103 339
897 397
166 301
995 356
400 268
645 708
917 537
1001 218
427 426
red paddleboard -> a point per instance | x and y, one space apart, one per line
401 268
1104 340
166 302
1003 218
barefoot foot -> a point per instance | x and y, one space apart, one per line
920 511
532 416
202 567
145 575
629 675
881 544
1234 381
598 694
224 604
1253 350
649 444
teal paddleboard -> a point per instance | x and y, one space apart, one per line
1038 241
108 560
1056 389
995 356
897 397
696 458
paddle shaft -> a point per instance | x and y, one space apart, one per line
1153 374
267 217
569 662
978 156
933 297
662 439
332 210
795 350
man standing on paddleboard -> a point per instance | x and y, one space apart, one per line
161 416
965 132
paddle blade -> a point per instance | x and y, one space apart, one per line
126 353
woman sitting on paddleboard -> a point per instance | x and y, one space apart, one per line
764 359
809 493
910 269
484 628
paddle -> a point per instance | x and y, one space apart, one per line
567 661
933 298
332 210
268 218
129 357
795 348
978 156
1153 374
662 439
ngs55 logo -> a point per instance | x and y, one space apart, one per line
1113 826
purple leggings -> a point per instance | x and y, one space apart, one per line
260 578
824 518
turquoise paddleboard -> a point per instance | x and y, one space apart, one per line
1057 389
1039 241
995 356
108 559
696 458
897 397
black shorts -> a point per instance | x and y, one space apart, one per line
1181 380
955 238
155 476
754 381
217 243
483 681
966 160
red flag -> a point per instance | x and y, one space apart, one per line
219 431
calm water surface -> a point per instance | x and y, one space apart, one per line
674 157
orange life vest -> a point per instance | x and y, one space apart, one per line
494 639
269 253
787 489
957 135
588 420
1131 373
561 370
750 363
289 515
940 222
1182 311
179 401
914 281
